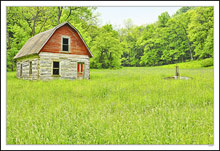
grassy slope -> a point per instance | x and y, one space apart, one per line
186 65
126 106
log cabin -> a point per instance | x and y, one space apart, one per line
58 53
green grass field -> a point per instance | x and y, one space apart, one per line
126 106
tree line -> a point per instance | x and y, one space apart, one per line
187 35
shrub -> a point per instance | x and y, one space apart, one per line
207 62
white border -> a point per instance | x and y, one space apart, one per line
110 3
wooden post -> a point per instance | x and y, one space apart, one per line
177 71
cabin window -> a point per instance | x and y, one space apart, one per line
21 70
30 68
65 43
56 67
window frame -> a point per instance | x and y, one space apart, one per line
67 37
55 75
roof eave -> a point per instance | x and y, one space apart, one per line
15 58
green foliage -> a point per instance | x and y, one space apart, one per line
106 49
127 106
163 19
183 10
187 35
25 22
208 47
201 31
207 62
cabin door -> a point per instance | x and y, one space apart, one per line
80 70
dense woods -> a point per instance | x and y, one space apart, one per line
185 36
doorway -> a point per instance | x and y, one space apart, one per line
80 70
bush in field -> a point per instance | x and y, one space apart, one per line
207 62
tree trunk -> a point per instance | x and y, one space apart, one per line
9 42
129 57
9 47
101 59
59 13
43 24
12 67
33 29
34 22
190 51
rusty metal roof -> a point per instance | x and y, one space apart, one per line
36 43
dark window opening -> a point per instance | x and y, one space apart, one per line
65 40
56 68
55 71
65 47
21 70
65 44
56 64
30 68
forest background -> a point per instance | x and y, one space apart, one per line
185 36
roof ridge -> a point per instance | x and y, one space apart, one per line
49 29
43 32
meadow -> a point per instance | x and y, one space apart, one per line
132 105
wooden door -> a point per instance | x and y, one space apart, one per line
80 70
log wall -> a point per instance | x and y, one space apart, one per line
25 68
68 65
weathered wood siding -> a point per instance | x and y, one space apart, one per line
25 68
68 65
54 44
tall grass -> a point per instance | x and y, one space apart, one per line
125 106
